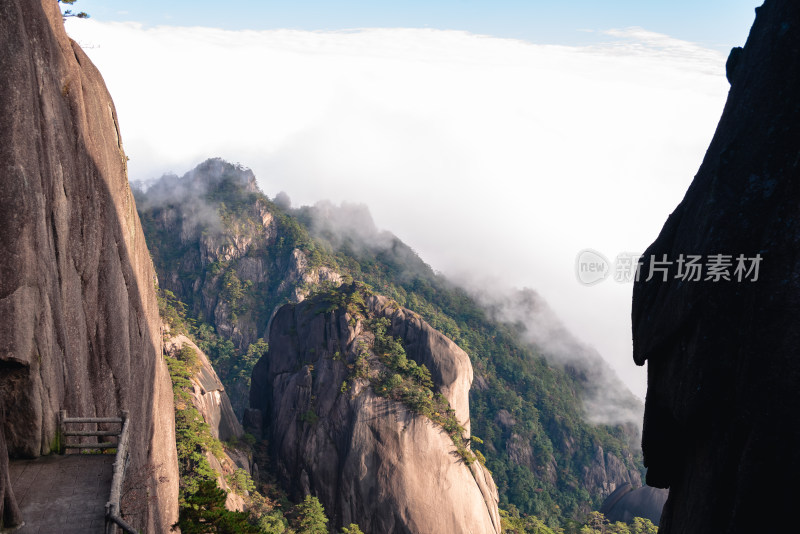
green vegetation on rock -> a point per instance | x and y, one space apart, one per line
594 523
202 502
536 440
310 517
69 13
405 381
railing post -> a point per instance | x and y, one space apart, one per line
113 520
110 526
62 438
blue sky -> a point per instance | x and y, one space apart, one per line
718 24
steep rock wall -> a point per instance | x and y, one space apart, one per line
369 459
211 401
722 425
79 319
208 395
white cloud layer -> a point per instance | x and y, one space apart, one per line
496 159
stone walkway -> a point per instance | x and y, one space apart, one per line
63 494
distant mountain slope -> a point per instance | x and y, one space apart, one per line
233 256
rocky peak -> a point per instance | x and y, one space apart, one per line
216 203
545 441
450 367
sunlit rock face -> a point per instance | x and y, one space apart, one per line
369 459
722 418
208 393
79 325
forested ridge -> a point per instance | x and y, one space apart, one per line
231 255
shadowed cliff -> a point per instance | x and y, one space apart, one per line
721 426
79 325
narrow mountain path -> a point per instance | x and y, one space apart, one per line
63 494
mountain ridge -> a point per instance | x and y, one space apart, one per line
544 453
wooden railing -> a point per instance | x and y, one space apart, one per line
113 518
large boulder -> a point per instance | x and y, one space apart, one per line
79 325
722 424
369 459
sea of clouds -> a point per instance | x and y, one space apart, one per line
497 160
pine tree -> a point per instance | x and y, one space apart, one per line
310 517
206 513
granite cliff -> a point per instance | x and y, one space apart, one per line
208 393
79 326
369 458
722 425
209 398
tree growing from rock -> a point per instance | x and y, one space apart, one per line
69 13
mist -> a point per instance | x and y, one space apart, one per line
346 224
606 399
187 195
494 159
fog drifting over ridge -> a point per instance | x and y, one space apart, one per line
605 398
494 159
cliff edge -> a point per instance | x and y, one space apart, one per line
722 425
80 326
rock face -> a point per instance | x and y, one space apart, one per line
227 252
80 325
628 502
10 514
214 216
208 395
369 459
211 401
608 472
722 425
